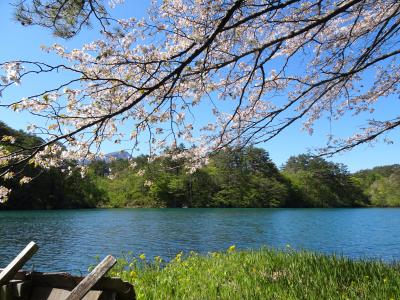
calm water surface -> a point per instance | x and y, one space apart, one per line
69 240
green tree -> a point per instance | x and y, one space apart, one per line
320 183
64 17
381 184
248 178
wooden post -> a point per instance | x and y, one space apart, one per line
90 280
9 272
5 293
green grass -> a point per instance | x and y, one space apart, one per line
260 274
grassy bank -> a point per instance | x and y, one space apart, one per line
261 274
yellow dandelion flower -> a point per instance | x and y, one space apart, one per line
142 256
231 249
178 256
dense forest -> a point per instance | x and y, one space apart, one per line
244 177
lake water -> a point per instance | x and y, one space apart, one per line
70 239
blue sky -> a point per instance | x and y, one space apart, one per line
20 42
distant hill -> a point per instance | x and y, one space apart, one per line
107 158
117 155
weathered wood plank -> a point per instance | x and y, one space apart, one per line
9 272
90 280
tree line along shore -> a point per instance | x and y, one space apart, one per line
244 177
